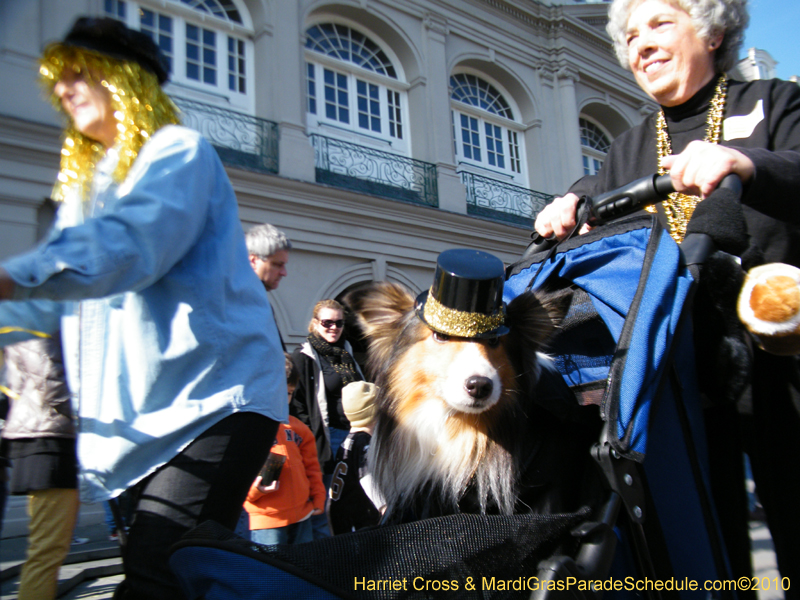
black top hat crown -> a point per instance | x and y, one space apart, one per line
466 298
112 38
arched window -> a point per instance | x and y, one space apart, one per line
354 86
594 146
208 47
224 9
485 131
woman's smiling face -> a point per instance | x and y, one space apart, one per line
335 319
668 59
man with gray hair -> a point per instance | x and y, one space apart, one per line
268 248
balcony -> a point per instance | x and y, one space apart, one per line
369 171
501 201
241 141
251 143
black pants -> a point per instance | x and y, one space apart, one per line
727 478
209 480
772 440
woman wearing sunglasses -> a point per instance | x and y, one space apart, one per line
325 364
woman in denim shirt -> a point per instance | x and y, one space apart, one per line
146 271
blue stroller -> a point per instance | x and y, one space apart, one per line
627 347
626 354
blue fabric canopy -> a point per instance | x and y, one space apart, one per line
638 287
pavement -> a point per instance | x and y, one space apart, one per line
93 569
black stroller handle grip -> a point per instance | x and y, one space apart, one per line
644 192
629 198
611 205
732 182
624 201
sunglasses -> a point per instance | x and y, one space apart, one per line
328 323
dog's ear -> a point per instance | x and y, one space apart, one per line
534 316
556 302
381 308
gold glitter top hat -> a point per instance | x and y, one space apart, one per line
466 298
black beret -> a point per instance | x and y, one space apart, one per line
112 38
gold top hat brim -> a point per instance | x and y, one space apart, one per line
459 323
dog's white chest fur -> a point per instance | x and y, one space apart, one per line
438 446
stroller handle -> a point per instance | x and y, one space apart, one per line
624 201
628 199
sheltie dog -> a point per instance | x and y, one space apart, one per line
459 425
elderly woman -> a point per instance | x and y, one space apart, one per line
707 127
179 396
325 364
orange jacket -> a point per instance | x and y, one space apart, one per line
300 488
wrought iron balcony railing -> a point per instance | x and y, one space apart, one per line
240 140
370 171
502 201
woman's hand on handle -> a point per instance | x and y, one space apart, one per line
558 217
702 165
697 170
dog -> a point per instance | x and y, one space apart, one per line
461 423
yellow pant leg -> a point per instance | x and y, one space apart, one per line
53 514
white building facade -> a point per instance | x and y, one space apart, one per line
375 133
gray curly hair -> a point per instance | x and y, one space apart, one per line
710 18
265 240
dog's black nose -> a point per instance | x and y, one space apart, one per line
478 387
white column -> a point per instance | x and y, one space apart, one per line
436 132
570 147
279 48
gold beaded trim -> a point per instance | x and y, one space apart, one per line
680 207
459 323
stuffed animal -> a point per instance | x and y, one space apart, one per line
769 306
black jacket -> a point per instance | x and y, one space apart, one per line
308 401
771 198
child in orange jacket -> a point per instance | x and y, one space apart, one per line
289 489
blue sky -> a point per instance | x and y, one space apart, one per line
773 27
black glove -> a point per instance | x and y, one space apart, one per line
720 216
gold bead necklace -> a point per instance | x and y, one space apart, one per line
679 207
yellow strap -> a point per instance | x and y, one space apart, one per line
9 393
40 334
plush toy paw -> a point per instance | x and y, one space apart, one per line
769 306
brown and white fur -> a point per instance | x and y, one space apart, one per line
453 413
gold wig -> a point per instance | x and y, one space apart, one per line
141 107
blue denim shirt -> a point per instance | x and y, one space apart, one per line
167 329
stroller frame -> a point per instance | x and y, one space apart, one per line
622 470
